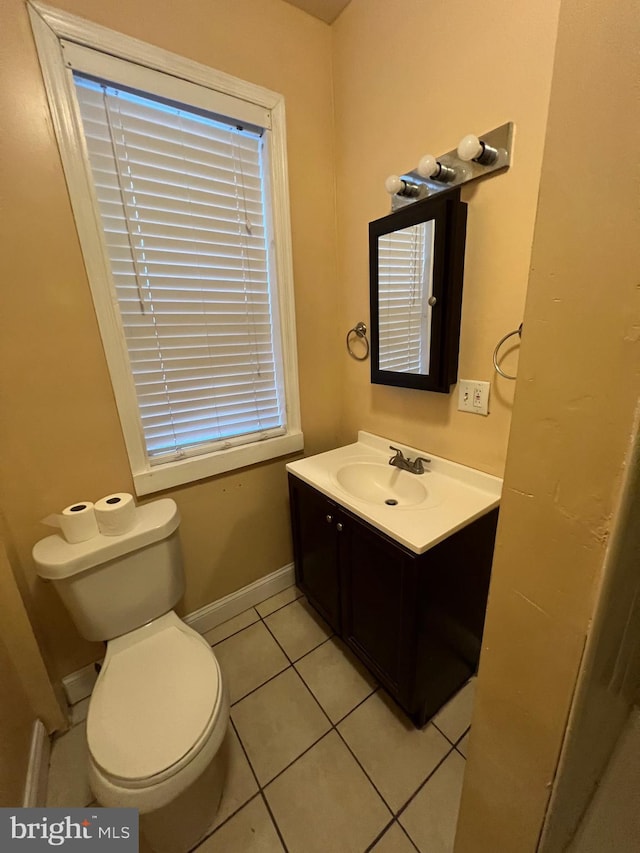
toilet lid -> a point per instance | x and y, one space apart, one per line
152 704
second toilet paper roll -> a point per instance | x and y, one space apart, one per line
115 514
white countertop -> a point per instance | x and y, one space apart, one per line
456 494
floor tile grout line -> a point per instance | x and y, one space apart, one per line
335 729
411 841
282 606
315 649
452 742
350 711
331 728
233 633
293 760
273 820
359 763
291 665
254 689
422 784
293 662
259 618
258 793
223 823
355 707
459 741
379 836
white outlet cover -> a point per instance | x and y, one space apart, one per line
473 396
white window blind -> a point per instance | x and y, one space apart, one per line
405 285
186 225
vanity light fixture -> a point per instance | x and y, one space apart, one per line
398 186
472 148
429 167
474 159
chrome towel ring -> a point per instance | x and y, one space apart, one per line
498 369
360 329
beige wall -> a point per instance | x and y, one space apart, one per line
16 720
412 78
24 687
573 422
609 677
59 420
21 645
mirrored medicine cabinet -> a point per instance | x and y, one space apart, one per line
416 263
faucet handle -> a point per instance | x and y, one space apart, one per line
417 464
398 455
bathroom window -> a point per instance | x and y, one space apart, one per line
182 210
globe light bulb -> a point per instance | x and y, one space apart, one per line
469 147
428 166
393 184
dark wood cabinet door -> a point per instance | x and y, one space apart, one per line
315 549
378 602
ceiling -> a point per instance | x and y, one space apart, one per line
326 10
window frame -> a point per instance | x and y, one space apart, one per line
50 28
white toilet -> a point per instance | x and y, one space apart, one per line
159 711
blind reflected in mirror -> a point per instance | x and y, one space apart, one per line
405 285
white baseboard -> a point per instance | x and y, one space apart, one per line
79 684
35 788
214 614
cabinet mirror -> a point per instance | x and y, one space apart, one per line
416 261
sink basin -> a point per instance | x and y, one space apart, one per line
381 484
416 510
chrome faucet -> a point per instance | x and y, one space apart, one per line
413 466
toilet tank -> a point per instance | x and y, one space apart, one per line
113 584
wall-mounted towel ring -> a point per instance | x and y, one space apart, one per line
499 370
360 329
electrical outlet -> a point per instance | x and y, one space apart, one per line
473 396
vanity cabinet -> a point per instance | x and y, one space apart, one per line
414 620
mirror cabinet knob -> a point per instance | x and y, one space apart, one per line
329 519
339 527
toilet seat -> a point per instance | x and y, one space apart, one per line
156 702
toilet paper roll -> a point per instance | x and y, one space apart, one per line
116 514
77 522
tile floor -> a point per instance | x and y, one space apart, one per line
320 758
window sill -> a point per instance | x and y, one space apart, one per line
200 467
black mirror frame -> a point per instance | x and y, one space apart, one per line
450 215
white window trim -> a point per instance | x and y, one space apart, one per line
49 27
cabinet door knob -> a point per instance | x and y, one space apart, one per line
329 519
339 527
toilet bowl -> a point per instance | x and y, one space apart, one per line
159 712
